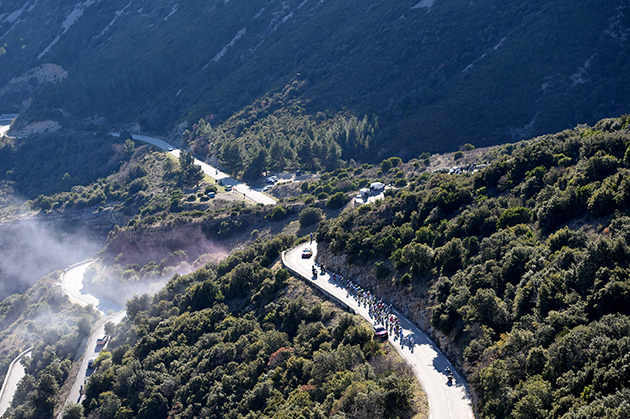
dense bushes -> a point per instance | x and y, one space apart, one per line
50 163
310 216
527 262
221 343
297 142
336 201
55 344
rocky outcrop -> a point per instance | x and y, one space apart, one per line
97 221
38 127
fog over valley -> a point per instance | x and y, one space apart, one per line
30 250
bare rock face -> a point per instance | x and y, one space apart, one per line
19 88
38 127
45 73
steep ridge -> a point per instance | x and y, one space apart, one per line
437 74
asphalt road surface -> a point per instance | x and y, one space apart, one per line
72 284
4 127
91 351
13 377
428 362
213 172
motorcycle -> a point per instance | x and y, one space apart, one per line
449 375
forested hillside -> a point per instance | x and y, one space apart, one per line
42 317
521 268
524 264
526 267
243 339
436 74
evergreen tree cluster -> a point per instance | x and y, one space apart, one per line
527 268
225 342
250 146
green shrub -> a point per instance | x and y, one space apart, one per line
45 204
425 235
406 279
565 161
137 185
513 216
601 202
279 213
458 155
537 172
336 201
310 216
380 270
387 164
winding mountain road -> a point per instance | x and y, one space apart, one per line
446 400
72 284
428 363
213 172
15 373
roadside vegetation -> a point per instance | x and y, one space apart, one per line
42 317
243 338
524 265
257 139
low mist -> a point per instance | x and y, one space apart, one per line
30 250
146 265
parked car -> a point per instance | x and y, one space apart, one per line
228 188
91 362
307 253
266 188
102 340
381 332
211 194
170 149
